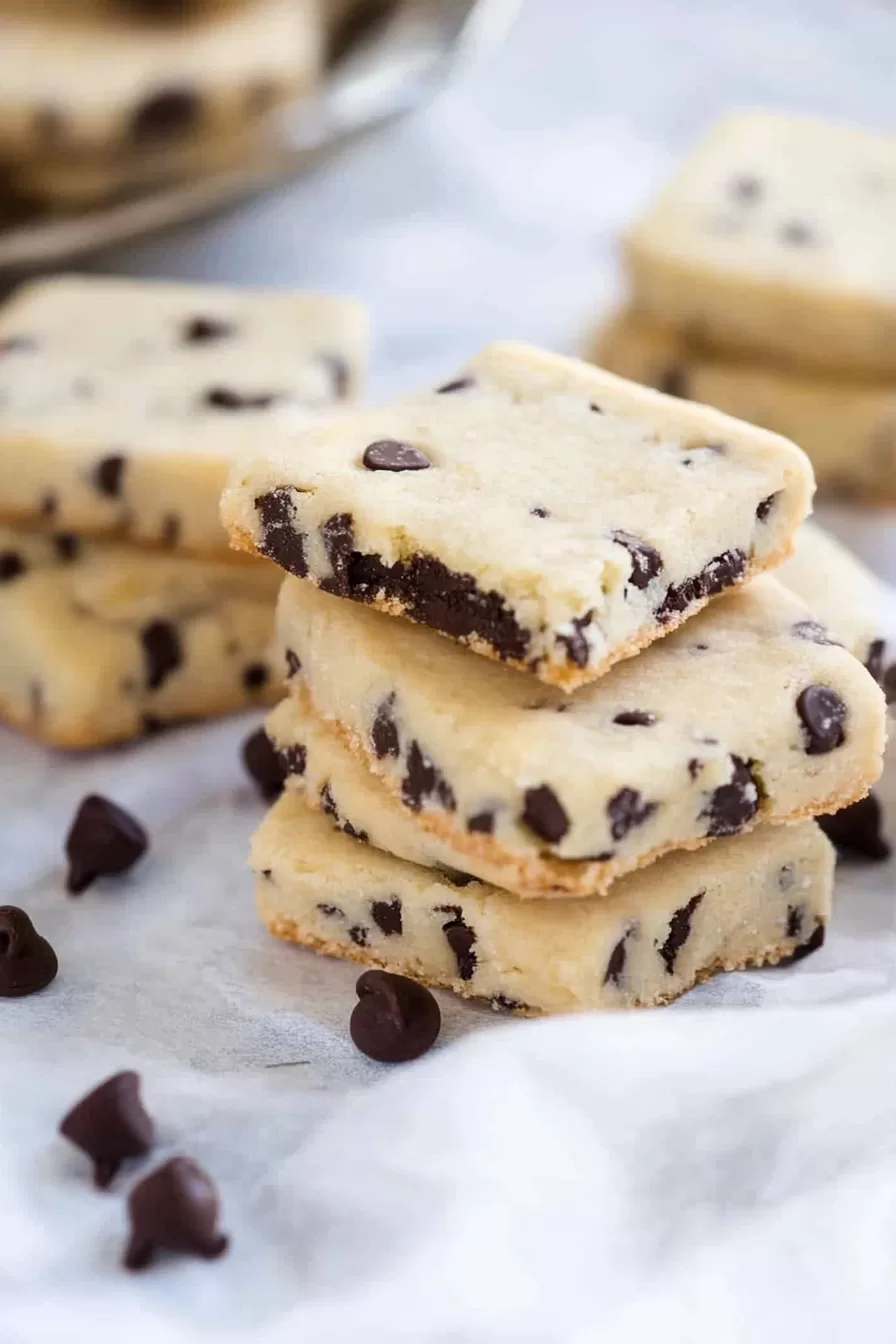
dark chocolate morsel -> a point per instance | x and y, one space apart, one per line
110 1125
577 647
539 512
264 764
718 574
293 760
103 841
175 1208
812 944
293 663
482 823
227 399
813 632
395 1019
857 831
874 659
168 113
455 876
386 916
384 733
679 932
66 545
12 566
626 810
150 725
27 961
338 536
339 372
461 940
457 385
162 652
673 381
822 713
423 780
544 814
328 802
255 676
616 963
646 559
795 915
204 330
281 540
331 911
358 935
107 475
765 506
49 504
392 455
635 718
733 806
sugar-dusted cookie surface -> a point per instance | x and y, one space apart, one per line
776 236
124 403
541 512
747 901
105 643
751 712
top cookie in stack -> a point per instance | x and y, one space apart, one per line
763 282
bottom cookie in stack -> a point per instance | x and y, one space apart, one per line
750 900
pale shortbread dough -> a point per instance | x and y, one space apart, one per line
746 901
560 518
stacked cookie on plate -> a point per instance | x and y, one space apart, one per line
101 98
762 282
123 405
546 712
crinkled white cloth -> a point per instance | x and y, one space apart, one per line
684 1176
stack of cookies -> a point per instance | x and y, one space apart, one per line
762 282
546 712
123 405
100 98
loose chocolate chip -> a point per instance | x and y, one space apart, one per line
461 940
765 506
27 961
67 546
483 823
635 718
387 916
745 188
539 512
718 574
646 559
395 1019
578 649
255 676
392 455
107 475
170 530
423 781
226 399
293 663
679 932
812 944
110 1125
544 814
795 915
339 373
338 536
812 632
857 831
175 1208
358 935
204 330
12 566
384 733
732 806
874 660
162 652
281 540
616 963
264 764
626 810
168 113
457 385
103 841
822 713
673 381
797 233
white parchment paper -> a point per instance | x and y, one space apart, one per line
681 1175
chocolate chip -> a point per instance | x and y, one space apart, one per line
745 188
797 233
626 810
358 935
162 652
255 676
12 566
455 876
423 780
395 1019
293 664
822 713
718 574
765 506
786 876
331 911
593 406
795 915
103 841
168 113
732 806
27 961
635 718
461 940
392 455
812 944
107 475
293 760
616 963
387 916
812 632
679 932
226 399
49 504
66 545
110 1125
354 832
15 345
204 330
483 823
578 649
889 684
504 1003
544 814
694 767
339 372
170 530
857 830
328 802
384 733
151 725
457 385
646 559
673 381
539 512
338 536
264 764
874 660
175 1208
281 540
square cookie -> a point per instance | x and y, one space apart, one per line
124 403
541 512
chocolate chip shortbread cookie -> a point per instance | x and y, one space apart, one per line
776 236
751 712
748 901
123 403
104 643
539 511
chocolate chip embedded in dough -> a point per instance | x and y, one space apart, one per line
331 911
544 814
387 916
12 566
338 536
457 385
482 823
384 733
813 632
203 330
255 677
393 455
857 831
293 663
719 573
103 841
281 540
461 940
358 935
107 475
733 806
424 781
646 559
176 1208
229 399
67 546
49 504
635 718
577 647
395 1019
626 810
616 964
765 506
679 932
822 713
339 371
111 1125
162 652
795 916
264 764
166 114
812 944
27 961
745 188
293 760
